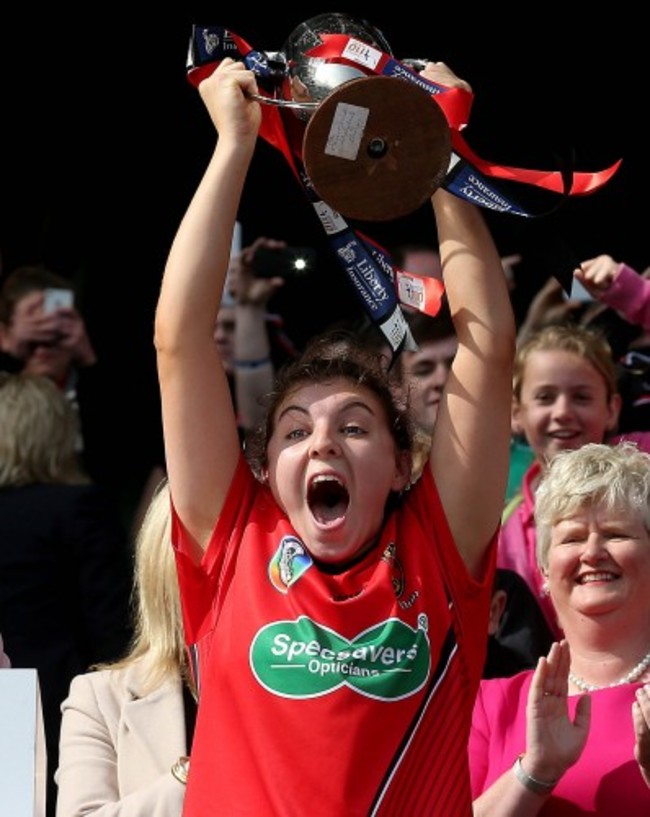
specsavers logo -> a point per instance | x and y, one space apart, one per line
303 659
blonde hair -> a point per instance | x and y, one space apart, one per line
38 433
611 477
589 344
158 642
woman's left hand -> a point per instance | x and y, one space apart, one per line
641 719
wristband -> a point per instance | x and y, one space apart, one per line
542 787
181 769
252 364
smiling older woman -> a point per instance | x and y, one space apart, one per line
573 736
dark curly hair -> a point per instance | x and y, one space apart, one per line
334 354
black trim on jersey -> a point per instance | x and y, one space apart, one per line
449 649
193 657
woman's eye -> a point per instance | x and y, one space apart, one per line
353 431
544 398
296 434
618 534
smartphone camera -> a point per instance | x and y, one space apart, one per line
285 262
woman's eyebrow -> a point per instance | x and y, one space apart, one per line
287 409
346 407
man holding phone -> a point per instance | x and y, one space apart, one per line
40 329
43 332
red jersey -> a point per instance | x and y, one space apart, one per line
331 692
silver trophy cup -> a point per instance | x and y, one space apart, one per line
375 147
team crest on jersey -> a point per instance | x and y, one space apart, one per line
396 570
289 563
398 578
388 661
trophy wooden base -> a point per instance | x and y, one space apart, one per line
377 148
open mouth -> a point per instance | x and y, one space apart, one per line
328 499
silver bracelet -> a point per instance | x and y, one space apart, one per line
542 787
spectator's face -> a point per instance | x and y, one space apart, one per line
51 361
599 567
563 404
46 355
425 374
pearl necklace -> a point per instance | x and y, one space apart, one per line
632 676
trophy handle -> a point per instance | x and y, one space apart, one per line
284 103
415 64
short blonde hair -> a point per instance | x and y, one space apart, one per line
613 477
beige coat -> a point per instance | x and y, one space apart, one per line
118 745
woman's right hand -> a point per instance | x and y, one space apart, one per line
226 95
553 741
242 282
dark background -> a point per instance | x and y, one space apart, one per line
104 140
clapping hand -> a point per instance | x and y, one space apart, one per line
553 741
641 719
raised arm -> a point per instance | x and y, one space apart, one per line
199 425
619 286
470 447
253 371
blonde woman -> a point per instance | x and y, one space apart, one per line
128 724
572 737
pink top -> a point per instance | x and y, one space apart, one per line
517 542
605 781
629 294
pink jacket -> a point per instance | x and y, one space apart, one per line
517 541
604 782
629 294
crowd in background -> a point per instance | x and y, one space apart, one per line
88 585
62 517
